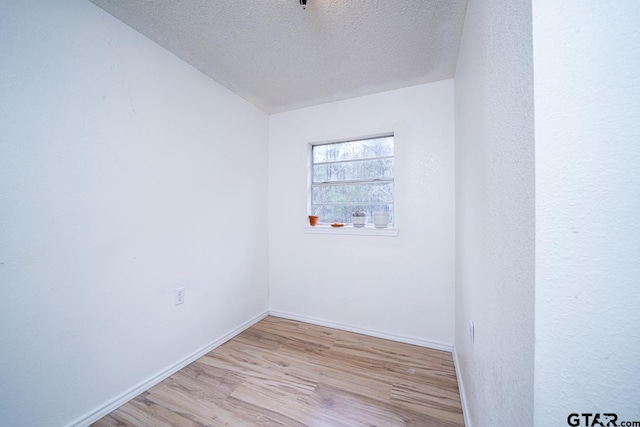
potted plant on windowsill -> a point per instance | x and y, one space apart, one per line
359 219
313 220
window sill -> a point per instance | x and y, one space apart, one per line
351 230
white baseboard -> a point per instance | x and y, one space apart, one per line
113 404
463 394
371 332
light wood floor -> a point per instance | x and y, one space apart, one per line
281 372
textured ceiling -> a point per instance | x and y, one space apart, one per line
279 57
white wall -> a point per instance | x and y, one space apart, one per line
587 96
402 285
495 213
124 173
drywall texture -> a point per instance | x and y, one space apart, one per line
400 285
280 57
587 92
495 213
121 170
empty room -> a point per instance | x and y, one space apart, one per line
319 213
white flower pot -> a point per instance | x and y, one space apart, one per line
381 219
359 221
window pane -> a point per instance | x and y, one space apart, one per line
343 213
334 195
363 149
378 147
365 193
362 169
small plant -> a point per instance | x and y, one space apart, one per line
359 219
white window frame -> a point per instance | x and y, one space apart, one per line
325 228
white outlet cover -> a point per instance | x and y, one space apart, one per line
178 294
472 333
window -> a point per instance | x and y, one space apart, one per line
352 176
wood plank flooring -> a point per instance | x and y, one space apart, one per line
285 373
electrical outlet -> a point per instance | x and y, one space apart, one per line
178 294
472 333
